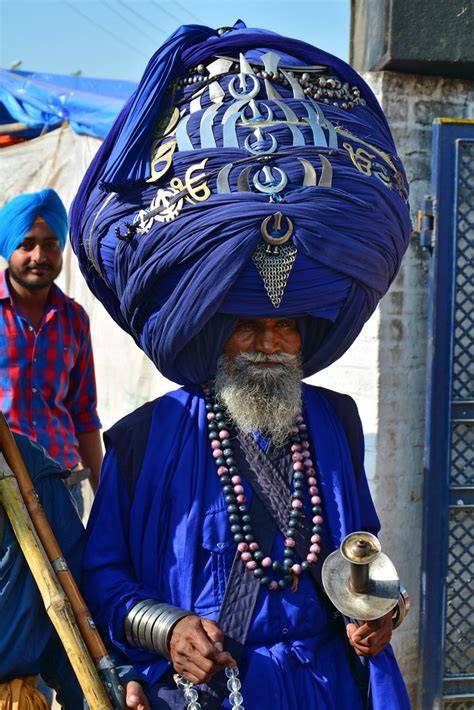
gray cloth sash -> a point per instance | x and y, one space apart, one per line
268 483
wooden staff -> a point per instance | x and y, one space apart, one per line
91 641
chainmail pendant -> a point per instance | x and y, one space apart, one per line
274 265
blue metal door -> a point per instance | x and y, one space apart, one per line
447 618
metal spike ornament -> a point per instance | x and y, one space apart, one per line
275 256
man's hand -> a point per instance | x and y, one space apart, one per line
135 696
370 637
196 649
90 451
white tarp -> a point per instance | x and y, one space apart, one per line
125 376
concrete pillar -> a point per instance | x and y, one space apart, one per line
385 370
410 102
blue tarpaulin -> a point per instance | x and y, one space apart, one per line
42 101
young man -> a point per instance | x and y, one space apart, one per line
47 376
244 253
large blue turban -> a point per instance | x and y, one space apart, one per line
18 216
249 175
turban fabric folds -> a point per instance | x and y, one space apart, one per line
249 175
18 216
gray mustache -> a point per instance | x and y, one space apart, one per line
255 357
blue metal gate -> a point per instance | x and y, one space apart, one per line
447 613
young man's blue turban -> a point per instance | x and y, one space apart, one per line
18 216
249 175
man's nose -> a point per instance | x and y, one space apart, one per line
268 341
38 253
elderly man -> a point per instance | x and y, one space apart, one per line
249 230
295 652
46 365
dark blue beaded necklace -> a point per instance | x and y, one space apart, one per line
273 574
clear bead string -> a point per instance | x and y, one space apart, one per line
191 695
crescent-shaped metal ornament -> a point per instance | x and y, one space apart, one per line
222 182
310 178
270 238
243 184
326 173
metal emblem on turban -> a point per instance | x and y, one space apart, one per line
235 104
275 256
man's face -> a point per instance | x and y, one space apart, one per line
38 259
258 377
264 335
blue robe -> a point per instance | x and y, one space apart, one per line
172 542
29 644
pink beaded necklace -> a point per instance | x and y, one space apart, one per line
273 574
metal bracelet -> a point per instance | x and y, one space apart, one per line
148 625
402 608
133 615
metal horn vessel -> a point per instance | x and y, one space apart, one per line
359 579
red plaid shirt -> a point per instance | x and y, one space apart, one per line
47 377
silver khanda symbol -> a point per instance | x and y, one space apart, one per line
256 115
270 185
249 87
258 147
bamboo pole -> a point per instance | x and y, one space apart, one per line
56 603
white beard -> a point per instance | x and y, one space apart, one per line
264 399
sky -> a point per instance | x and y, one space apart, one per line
115 38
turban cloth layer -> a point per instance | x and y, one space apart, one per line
19 215
249 175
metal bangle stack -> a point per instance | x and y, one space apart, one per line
148 625
191 694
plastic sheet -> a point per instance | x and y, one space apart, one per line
43 101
